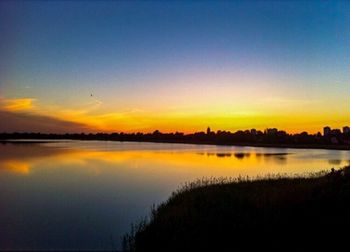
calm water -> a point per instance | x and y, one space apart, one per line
85 195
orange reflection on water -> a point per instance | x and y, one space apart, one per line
162 163
209 163
178 164
16 166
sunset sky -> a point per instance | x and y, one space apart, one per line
174 66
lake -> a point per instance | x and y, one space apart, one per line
86 194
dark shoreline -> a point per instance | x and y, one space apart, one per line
277 213
263 145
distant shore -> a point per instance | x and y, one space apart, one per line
270 138
264 145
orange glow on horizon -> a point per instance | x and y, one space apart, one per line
292 116
194 123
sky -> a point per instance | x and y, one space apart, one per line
118 66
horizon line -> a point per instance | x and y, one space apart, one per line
180 132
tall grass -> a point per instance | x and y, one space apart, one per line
274 212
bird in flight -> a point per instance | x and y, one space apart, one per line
91 95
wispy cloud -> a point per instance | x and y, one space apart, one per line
27 122
288 101
17 104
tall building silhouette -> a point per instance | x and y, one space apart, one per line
326 131
208 131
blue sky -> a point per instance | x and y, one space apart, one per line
131 54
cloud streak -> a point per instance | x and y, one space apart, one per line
17 104
24 122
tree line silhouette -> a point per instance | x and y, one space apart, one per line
253 137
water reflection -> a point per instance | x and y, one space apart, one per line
280 158
79 195
222 155
334 161
242 155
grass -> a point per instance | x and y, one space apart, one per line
275 213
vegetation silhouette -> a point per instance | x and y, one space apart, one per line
273 213
268 138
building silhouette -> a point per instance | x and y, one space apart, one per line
326 131
208 131
271 131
